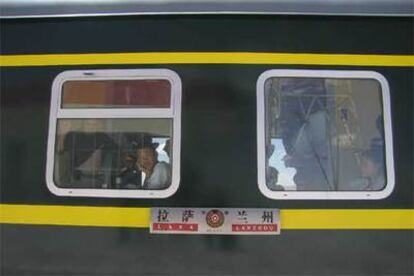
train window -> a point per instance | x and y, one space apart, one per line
116 94
324 135
115 133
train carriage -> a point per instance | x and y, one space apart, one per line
114 115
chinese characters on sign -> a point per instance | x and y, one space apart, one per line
228 221
162 222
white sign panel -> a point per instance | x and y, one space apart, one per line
228 221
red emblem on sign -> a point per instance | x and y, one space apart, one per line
215 218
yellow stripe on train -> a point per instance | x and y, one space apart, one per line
138 217
206 58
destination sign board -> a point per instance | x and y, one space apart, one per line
216 221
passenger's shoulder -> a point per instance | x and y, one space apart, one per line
163 164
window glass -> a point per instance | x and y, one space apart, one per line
324 134
113 153
115 133
117 93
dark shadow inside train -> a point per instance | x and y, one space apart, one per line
105 154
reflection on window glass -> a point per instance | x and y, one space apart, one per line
113 153
117 93
324 134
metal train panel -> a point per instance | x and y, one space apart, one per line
219 59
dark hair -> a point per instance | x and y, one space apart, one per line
144 142
152 146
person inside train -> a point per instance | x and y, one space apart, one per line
379 140
372 171
157 174
130 175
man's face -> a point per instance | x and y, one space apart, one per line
147 158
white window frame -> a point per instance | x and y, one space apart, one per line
172 112
261 128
